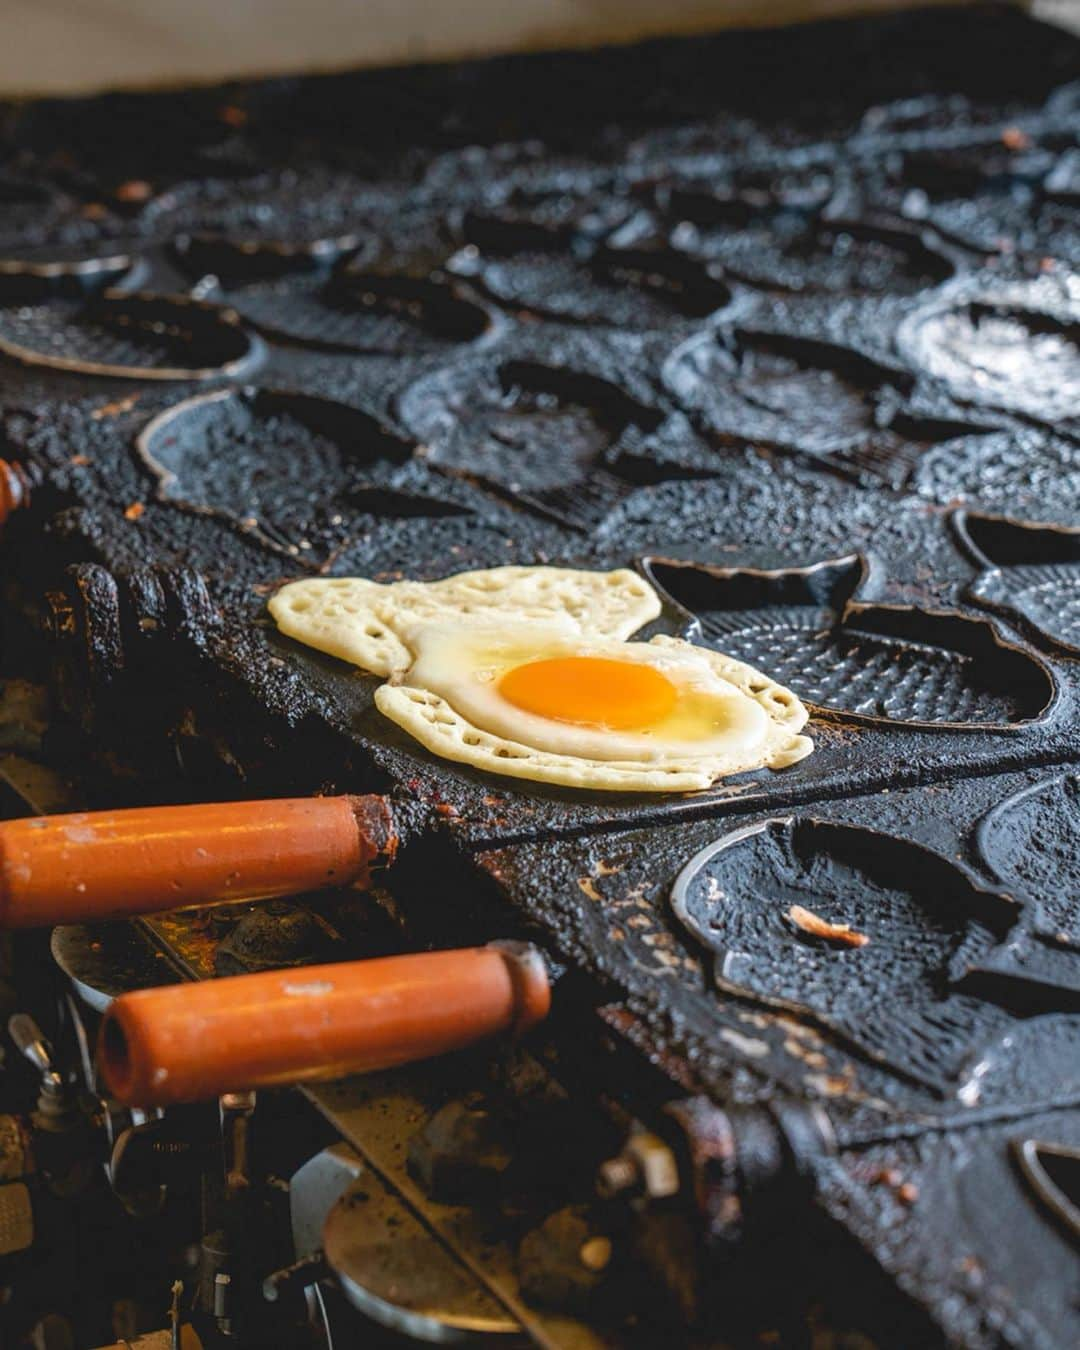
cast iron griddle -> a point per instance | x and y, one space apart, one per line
789 321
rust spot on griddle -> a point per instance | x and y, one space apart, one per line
1013 138
115 407
134 190
832 1085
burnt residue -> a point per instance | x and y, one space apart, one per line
955 1213
113 643
1025 473
378 831
274 936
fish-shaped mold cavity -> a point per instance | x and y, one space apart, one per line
1017 349
72 270
378 314
566 272
812 396
288 220
134 335
809 397
868 934
964 172
1032 573
867 662
988 198
32 210
1031 843
238 256
567 443
784 248
1053 1173
337 293
293 470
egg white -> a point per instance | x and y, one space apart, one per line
465 666
362 621
443 646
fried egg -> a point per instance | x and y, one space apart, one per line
361 621
526 672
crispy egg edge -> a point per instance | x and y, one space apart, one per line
429 719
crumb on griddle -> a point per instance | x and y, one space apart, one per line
816 926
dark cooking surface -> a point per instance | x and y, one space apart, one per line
790 321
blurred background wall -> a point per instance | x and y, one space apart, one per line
76 46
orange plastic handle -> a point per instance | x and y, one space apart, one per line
109 864
189 1042
14 489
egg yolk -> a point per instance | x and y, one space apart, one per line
590 690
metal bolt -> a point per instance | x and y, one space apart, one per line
617 1176
222 1281
659 1170
646 1165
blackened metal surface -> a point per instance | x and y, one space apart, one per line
808 344
946 1062
1032 842
362 313
1030 574
784 246
900 931
607 899
140 336
566 442
954 1213
284 466
108 960
1015 347
883 662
